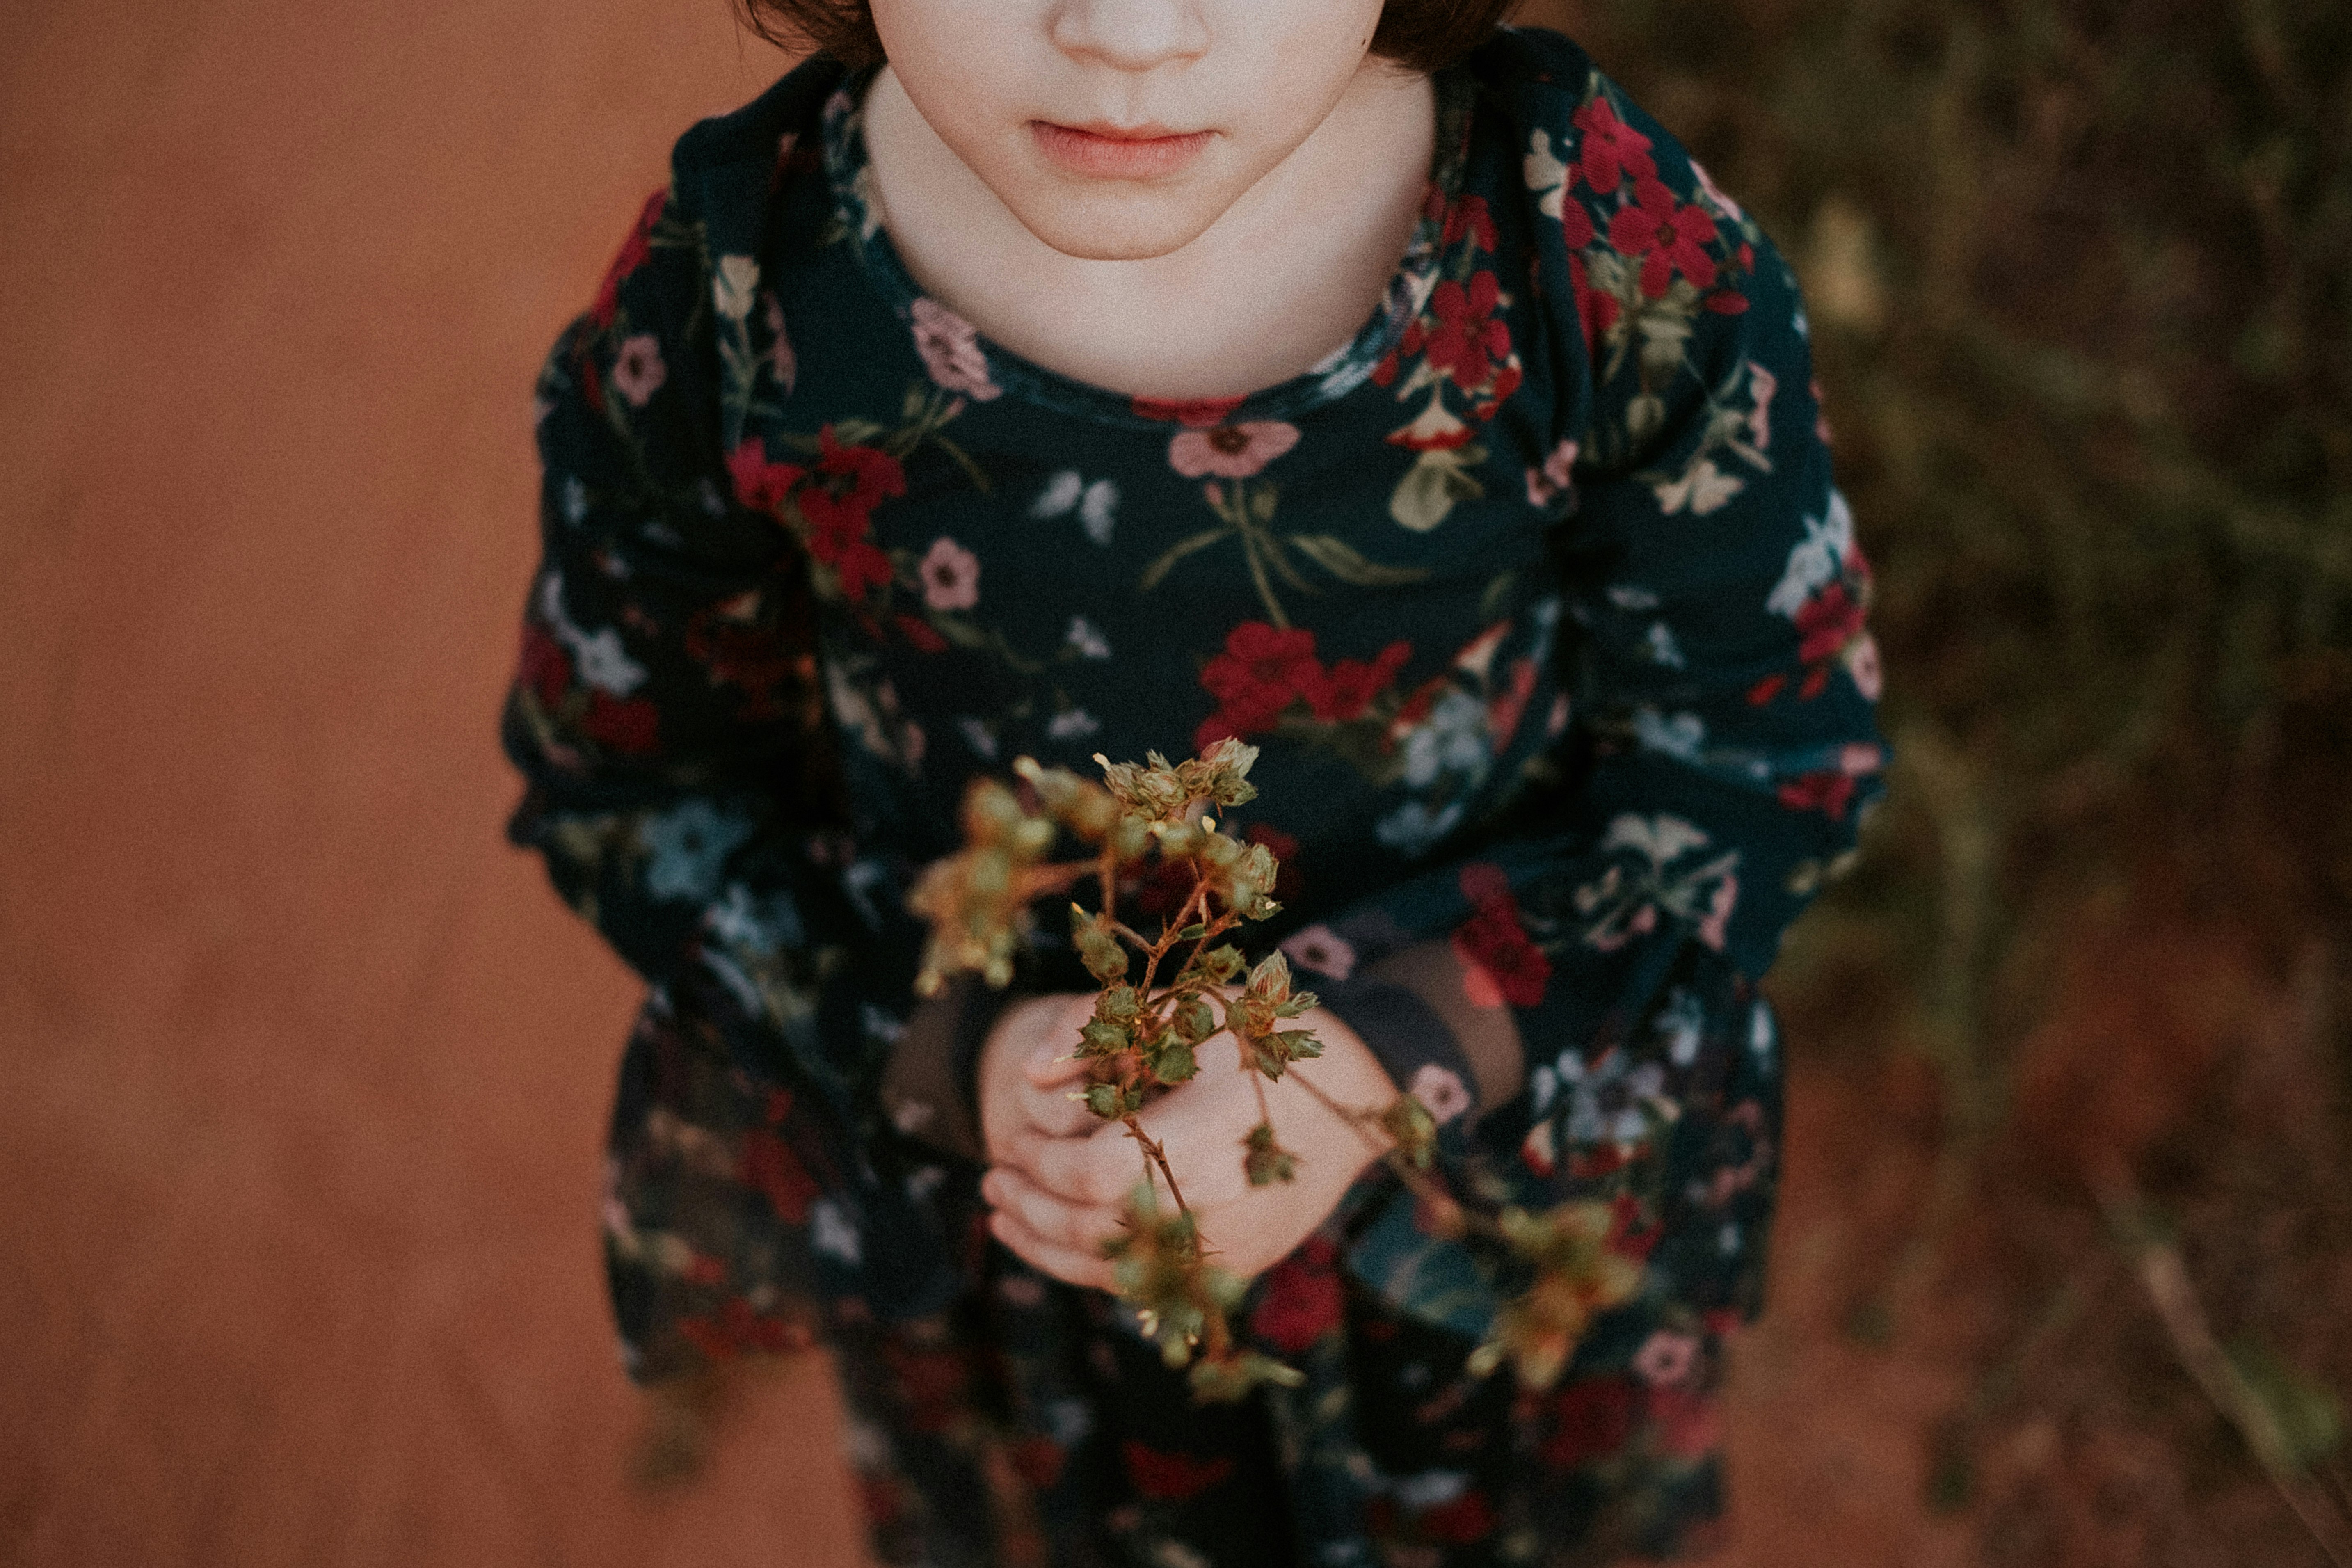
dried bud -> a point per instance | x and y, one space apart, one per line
1229 1378
1196 1020
1414 1130
1265 1160
1174 1064
1578 1276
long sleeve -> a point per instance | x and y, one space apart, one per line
1717 743
668 716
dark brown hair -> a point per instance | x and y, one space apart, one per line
1421 35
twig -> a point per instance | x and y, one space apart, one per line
1157 1155
2165 1278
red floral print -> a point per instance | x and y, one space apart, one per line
1829 791
1466 1519
630 727
771 1169
1669 236
1171 1478
1469 217
1262 668
1467 342
1195 413
1266 667
1592 1420
1610 150
546 668
1348 687
1829 620
736 1329
1501 959
1302 1299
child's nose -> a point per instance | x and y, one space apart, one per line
1130 35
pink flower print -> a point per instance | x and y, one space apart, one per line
1669 236
1554 478
1723 203
1713 930
1231 451
638 371
951 576
1319 950
951 351
1506 708
1441 1090
1665 1358
781 358
1761 385
1862 664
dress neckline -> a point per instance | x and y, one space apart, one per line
851 178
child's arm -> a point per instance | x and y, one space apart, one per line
669 718
1722 745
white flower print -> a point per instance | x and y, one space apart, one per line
1679 736
1412 828
951 576
575 501
1664 650
1072 724
1319 950
1096 504
830 1233
734 283
1451 739
688 848
601 661
1703 489
978 736
1658 875
605 665
949 347
637 371
1085 640
1098 510
1441 1090
1816 561
1547 177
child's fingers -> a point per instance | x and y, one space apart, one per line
1070 1267
1050 1064
1096 1169
1055 1111
1081 1227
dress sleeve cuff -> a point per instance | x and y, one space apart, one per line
1414 1012
931 1089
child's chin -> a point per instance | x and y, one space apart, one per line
1122 227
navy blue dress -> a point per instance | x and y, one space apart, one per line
1539 602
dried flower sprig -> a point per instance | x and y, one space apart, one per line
1146 1029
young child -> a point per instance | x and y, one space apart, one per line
1056 377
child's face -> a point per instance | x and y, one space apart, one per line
1115 130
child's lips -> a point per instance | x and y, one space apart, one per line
1108 152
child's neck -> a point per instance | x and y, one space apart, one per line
1287 274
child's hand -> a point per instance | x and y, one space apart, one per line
1027 1073
1063 1203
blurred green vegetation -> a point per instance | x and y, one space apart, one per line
2080 274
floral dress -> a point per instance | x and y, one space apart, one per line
1537 598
